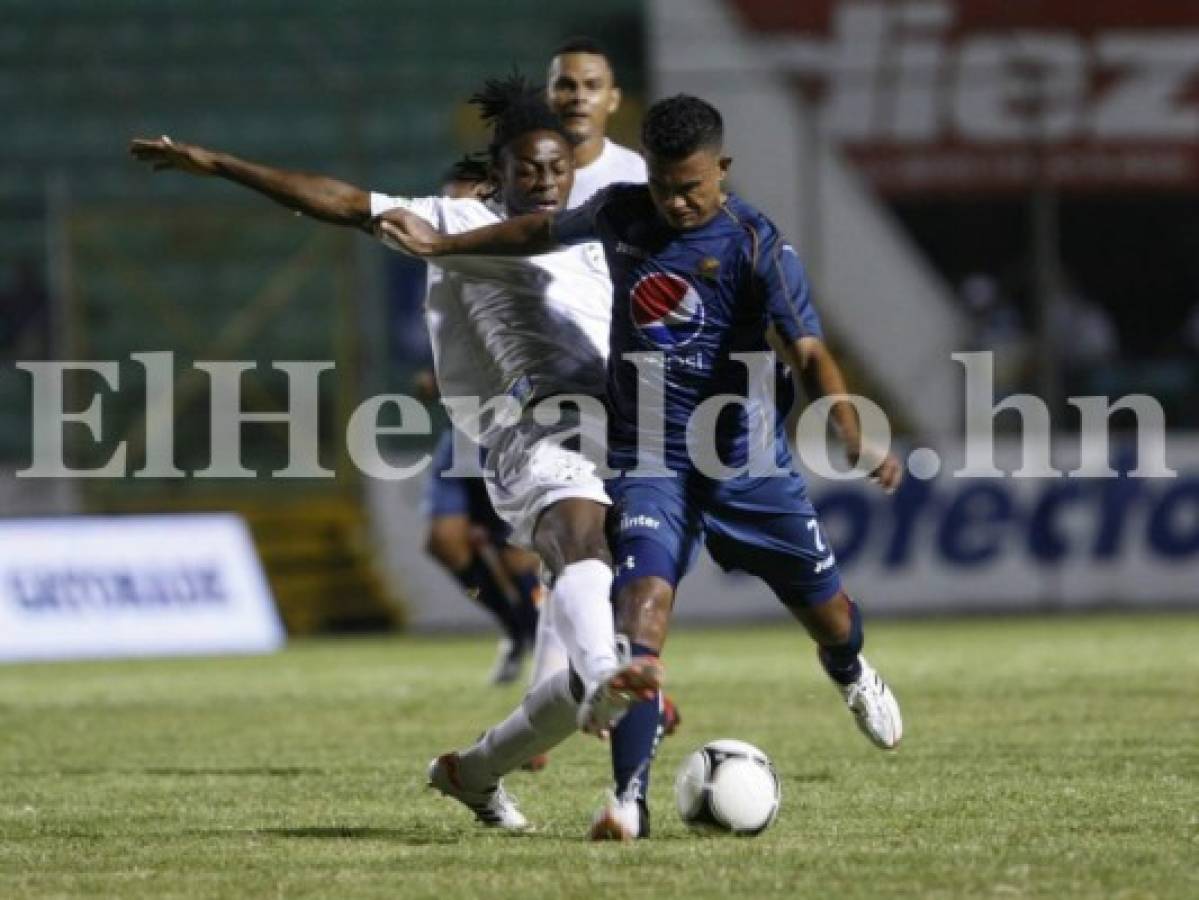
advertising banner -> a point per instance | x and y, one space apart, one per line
960 544
945 545
968 95
90 587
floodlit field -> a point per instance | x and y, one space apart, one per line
1043 757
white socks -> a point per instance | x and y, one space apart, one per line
582 617
575 626
549 653
544 719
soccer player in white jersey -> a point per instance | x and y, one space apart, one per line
492 346
464 534
581 88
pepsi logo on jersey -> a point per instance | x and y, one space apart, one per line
667 310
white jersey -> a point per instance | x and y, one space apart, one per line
614 165
505 325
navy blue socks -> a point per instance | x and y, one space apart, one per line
635 741
841 661
477 580
528 587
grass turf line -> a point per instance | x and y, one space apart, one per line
1042 757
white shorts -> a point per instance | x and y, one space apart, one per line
531 471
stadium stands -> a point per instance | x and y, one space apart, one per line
372 92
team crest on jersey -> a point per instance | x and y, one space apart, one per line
667 310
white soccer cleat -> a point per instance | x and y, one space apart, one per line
493 807
874 707
618 820
609 700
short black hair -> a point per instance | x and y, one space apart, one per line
678 126
580 43
512 107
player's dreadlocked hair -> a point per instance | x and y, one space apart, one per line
512 107
678 126
471 168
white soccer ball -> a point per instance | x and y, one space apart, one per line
727 786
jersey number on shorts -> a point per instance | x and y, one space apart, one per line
827 562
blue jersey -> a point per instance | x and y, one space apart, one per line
694 297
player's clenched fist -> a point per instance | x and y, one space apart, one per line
164 153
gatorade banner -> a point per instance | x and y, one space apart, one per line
87 587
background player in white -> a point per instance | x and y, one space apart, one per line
582 90
518 329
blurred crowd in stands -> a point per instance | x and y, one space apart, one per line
24 313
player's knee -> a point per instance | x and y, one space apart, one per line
449 546
643 607
572 532
520 562
646 593
578 547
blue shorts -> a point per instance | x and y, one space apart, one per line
762 526
448 496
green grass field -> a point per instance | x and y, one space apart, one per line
1043 757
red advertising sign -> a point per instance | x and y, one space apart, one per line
983 94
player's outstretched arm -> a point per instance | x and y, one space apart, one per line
811 359
322 198
526 235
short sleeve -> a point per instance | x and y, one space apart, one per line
579 225
425 207
781 278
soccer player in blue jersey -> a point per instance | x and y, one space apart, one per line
699 278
